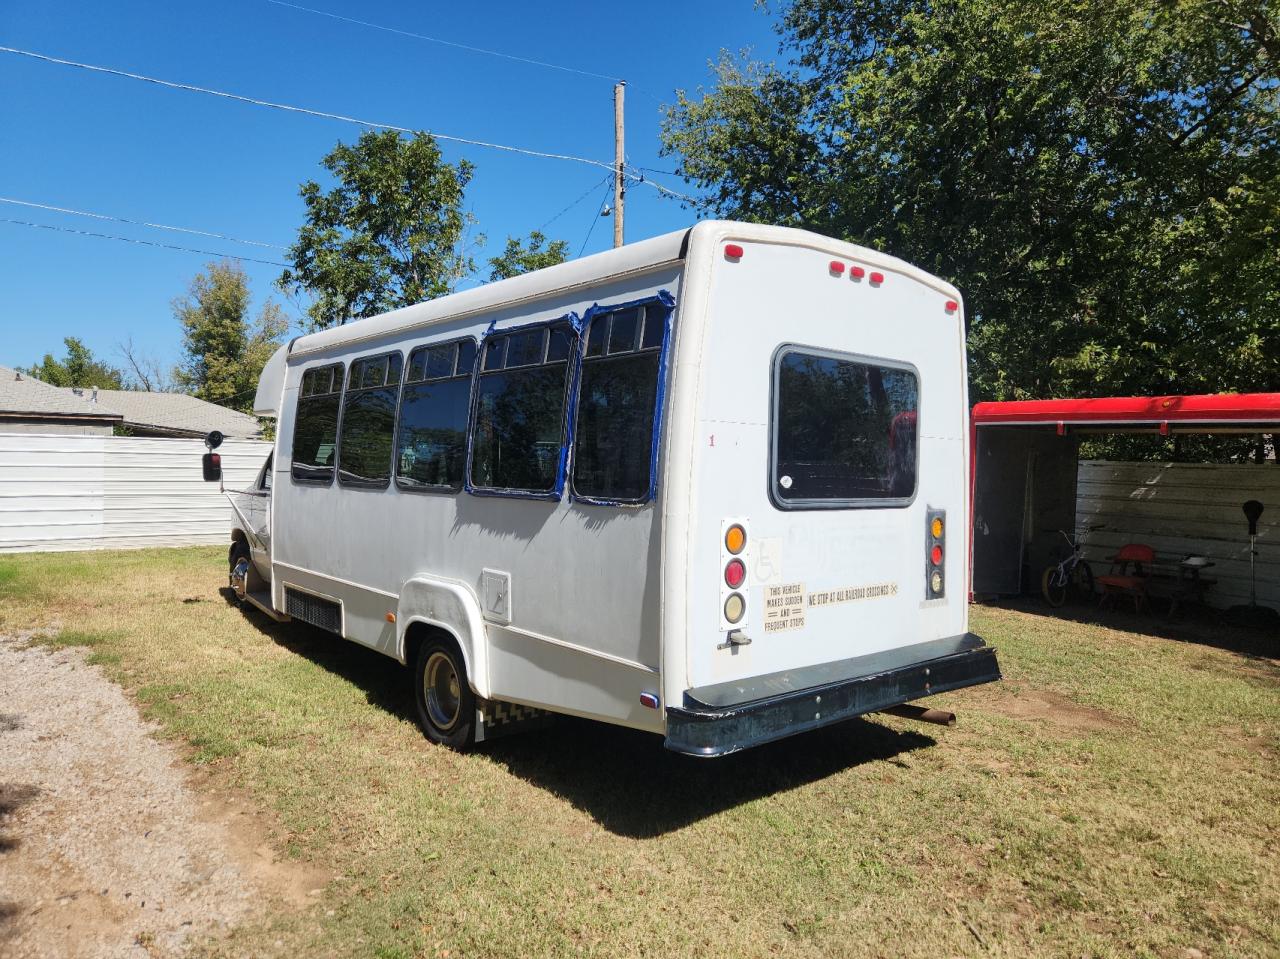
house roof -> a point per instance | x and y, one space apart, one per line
1227 409
22 395
175 412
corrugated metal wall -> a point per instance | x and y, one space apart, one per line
95 492
1182 509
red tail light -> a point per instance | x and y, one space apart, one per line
735 573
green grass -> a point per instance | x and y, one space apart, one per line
1116 795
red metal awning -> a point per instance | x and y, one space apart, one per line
1230 409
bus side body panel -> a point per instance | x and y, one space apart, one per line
585 580
861 572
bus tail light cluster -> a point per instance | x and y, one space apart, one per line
935 545
733 566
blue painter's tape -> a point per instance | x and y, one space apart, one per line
566 426
665 298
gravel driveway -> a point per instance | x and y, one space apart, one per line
106 846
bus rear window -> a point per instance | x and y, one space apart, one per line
844 431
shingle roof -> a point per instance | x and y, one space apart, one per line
176 411
22 394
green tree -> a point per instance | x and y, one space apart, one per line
223 353
78 368
390 233
521 257
1100 177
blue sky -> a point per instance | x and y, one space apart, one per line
110 145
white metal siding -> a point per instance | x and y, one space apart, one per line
62 492
1183 509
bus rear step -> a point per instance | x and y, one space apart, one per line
262 600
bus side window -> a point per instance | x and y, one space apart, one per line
431 452
369 421
315 424
617 402
519 422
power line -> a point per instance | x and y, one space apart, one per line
447 43
591 189
649 169
191 88
461 46
608 186
292 109
126 239
660 188
156 226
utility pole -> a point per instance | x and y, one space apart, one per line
619 188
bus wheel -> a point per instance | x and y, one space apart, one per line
446 704
238 561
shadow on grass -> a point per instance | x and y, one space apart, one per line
623 778
1193 624
632 786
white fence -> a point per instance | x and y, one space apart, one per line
99 492
1182 509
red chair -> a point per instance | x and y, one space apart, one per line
1130 571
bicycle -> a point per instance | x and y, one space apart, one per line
1072 575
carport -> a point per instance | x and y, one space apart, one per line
1027 485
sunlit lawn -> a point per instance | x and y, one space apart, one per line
1117 794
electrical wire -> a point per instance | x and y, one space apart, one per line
591 189
591 229
292 109
156 226
368 124
464 46
126 239
447 43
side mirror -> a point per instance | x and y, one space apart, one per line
212 463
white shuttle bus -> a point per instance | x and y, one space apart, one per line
713 485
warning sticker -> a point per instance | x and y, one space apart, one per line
852 594
783 607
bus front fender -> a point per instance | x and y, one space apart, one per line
451 606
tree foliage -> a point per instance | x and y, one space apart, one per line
1100 177
223 353
525 257
79 367
388 234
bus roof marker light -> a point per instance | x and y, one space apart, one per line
877 279
649 700
836 267
732 251
856 272
952 306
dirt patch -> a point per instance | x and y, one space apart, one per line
107 849
1053 708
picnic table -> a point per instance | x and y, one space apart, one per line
1178 579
